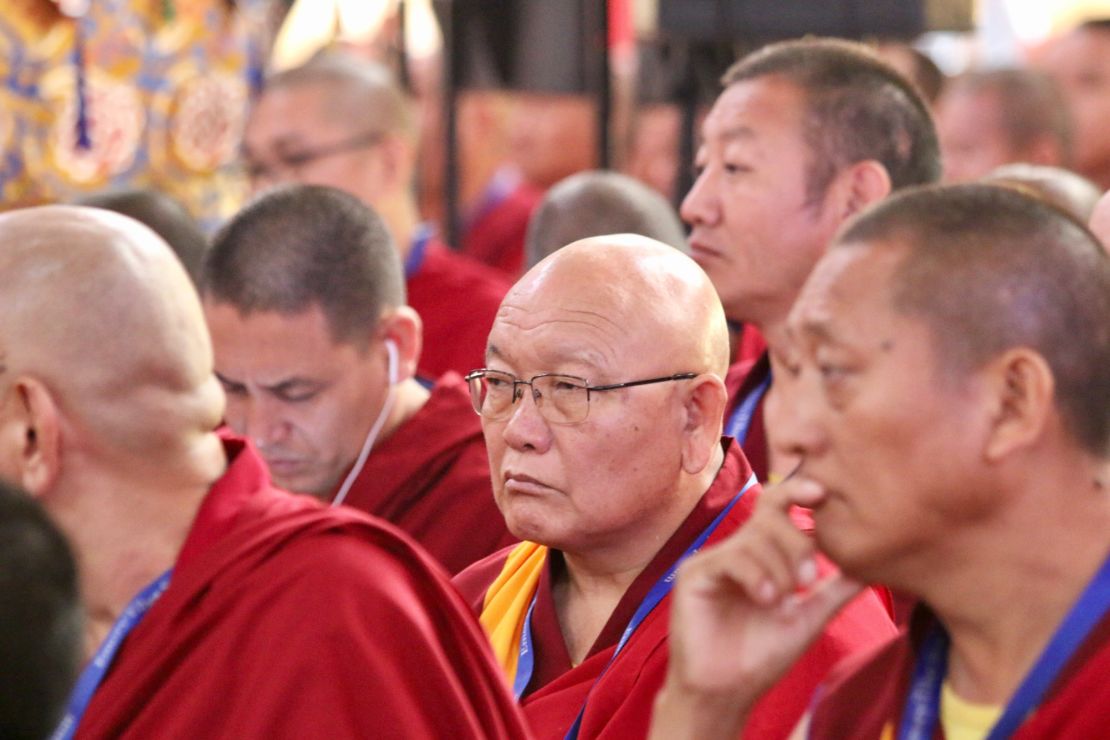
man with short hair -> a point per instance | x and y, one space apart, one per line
222 607
805 134
952 363
344 122
598 202
317 351
986 119
601 403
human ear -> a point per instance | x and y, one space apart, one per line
861 185
404 328
30 436
704 408
1022 392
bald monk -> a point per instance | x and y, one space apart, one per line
965 326
317 351
601 404
345 122
217 605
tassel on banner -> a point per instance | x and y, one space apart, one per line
84 140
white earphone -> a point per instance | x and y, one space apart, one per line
391 349
394 361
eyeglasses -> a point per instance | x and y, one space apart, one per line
561 399
292 162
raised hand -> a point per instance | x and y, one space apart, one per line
743 612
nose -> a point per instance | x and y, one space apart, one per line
793 410
259 421
526 429
700 207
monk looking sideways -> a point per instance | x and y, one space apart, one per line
601 404
965 326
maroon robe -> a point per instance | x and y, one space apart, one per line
744 376
620 704
495 235
457 299
868 693
285 618
431 479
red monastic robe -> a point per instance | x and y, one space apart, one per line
285 618
496 234
457 299
620 704
865 696
431 479
744 376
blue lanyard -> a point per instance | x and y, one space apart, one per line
662 587
95 671
922 705
419 248
739 424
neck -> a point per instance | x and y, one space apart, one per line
1004 597
124 535
597 579
476 184
409 398
401 217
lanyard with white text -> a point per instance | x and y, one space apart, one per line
739 424
657 593
95 671
418 249
923 702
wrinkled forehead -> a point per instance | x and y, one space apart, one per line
592 315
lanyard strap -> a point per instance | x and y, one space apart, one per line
98 667
657 593
739 424
418 249
526 661
1085 615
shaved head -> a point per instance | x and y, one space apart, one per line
661 303
598 202
361 93
96 307
990 269
642 321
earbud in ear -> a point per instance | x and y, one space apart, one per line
391 348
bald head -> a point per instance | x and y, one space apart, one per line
640 326
662 304
95 306
594 203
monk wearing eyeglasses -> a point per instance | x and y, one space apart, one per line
602 402
344 122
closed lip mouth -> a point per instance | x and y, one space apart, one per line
701 248
284 463
520 480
